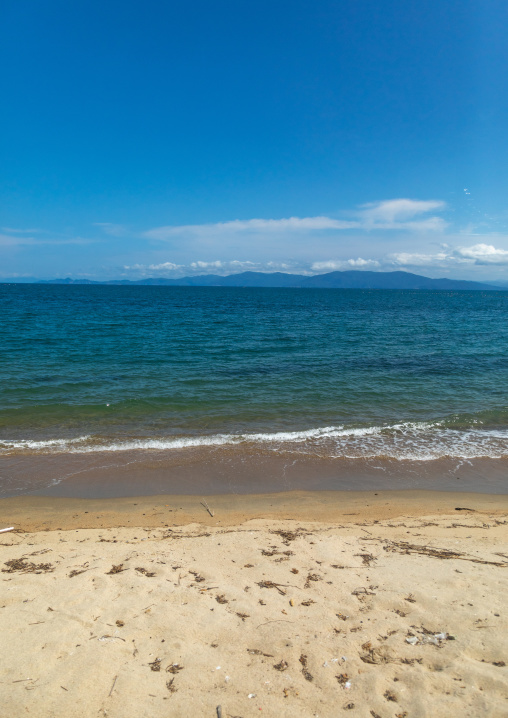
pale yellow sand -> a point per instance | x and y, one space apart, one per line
202 632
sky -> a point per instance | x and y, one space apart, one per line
161 138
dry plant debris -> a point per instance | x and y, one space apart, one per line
174 668
367 558
288 536
75 572
221 599
170 686
155 665
145 572
21 565
116 569
282 666
257 652
311 577
443 553
306 674
271 584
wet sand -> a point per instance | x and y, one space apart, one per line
235 471
291 604
48 513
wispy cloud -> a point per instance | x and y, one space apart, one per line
20 240
14 230
114 230
218 267
332 265
396 214
477 254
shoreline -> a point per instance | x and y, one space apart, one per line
216 472
49 513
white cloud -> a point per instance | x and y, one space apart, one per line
419 260
397 210
399 214
484 254
333 265
258 226
162 267
206 265
477 254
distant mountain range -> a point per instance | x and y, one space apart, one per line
354 279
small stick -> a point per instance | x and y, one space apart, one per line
11 528
111 691
203 503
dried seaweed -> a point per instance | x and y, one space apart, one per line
404 547
362 591
306 674
116 569
174 668
282 666
271 584
311 577
21 565
288 536
155 665
378 656
170 686
257 652
221 599
243 616
367 558
145 572
75 572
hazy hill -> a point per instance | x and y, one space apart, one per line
354 279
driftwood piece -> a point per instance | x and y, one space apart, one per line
203 503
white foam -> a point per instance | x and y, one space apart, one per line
413 441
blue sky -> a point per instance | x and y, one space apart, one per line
163 139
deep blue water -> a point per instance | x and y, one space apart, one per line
407 374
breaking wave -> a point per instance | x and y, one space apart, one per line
416 441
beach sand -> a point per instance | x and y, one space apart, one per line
386 605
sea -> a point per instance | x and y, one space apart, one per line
128 390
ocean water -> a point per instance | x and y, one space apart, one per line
386 378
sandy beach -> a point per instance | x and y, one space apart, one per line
386 606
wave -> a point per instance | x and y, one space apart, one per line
417 441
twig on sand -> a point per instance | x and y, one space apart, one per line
203 503
111 691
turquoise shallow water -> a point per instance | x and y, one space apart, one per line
330 373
